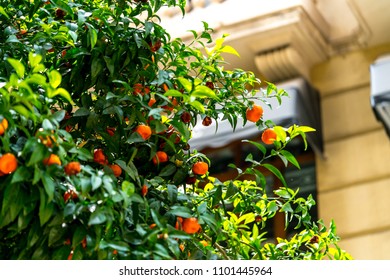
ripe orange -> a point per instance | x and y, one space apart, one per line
99 157
160 157
151 102
200 168
52 159
191 225
3 126
70 194
144 130
8 164
72 168
111 131
140 89
116 169
179 222
268 136
174 104
255 113
144 190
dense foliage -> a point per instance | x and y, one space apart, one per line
97 104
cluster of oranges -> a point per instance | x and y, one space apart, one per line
101 158
8 161
254 114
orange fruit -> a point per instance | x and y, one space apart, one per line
116 169
179 222
70 194
140 89
3 126
84 243
204 243
52 159
99 157
154 47
144 130
8 164
160 157
72 168
111 130
144 190
151 102
174 102
268 136
182 247
191 225
255 113
200 168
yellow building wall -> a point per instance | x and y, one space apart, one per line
353 178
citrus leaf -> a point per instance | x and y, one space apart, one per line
18 66
276 172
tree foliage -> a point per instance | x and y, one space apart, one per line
77 79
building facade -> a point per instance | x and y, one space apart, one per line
331 45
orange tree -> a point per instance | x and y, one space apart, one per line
97 104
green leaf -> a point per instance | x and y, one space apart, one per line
198 106
18 66
187 85
39 152
46 208
55 235
64 93
129 169
34 59
49 186
287 208
173 93
21 174
93 36
55 78
96 182
276 172
230 49
97 217
2 11
172 192
180 211
272 206
81 112
204 92
281 133
168 170
283 193
290 157
24 112
259 146
78 236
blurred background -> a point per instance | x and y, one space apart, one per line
331 56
